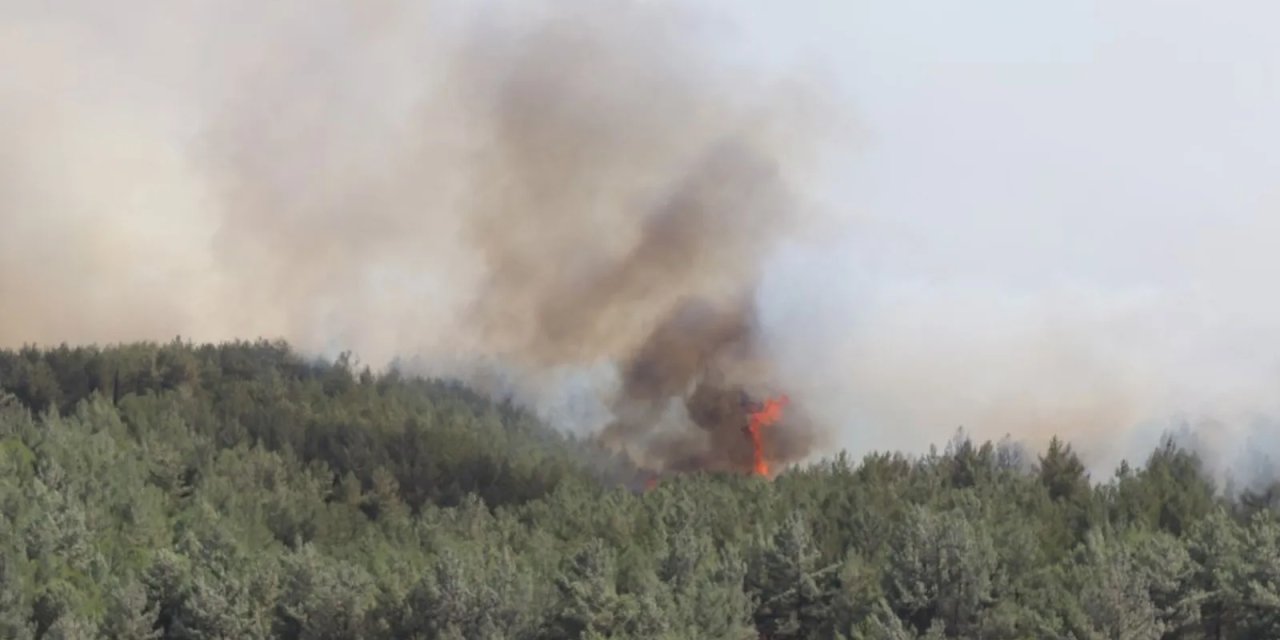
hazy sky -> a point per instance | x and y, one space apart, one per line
1108 143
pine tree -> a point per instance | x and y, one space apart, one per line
320 600
1260 573
14 612
129 615
1215 546
795 595
588 602
1114 594
941 569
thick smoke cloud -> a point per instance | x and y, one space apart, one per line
549 186
623 203
586 205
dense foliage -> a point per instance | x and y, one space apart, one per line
241 491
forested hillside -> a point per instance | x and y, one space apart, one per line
243 491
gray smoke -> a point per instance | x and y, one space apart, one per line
544 186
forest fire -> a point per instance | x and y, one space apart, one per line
699 394
763 415
752 455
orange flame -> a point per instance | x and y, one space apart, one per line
768 414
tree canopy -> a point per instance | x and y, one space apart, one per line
241 490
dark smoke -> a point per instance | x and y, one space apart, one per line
705 360
627 200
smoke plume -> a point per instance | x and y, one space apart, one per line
602 208
545 185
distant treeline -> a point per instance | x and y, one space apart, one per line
244 491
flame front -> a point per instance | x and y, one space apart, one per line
768 414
